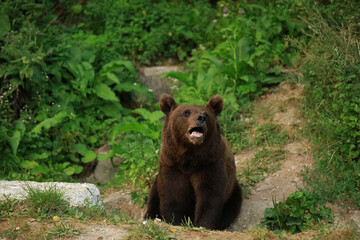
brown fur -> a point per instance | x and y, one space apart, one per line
197 177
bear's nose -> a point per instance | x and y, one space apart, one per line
201 119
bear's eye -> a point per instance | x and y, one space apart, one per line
187 113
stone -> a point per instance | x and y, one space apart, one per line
77 194
151 78
105 170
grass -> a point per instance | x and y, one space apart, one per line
45 203
270 134
265 161
151 230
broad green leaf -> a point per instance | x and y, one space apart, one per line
116 65
88 156
150 116
129 65
87 78
69 171
128 126
81 148
292 229
143 112
50 122
155 116
269 213
105 156
36 156
113 77
272 80
65 164
78 169
14 141
112 109
41 169
29 164
105 92
182 77
214 60
242 49
4 24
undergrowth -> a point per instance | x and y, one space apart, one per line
331 72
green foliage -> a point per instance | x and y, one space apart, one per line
331 70
146 30
243 57
299 212
58 100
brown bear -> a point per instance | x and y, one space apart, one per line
197 175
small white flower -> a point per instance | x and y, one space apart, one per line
157 220
144 222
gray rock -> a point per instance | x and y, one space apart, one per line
104 170
77 194
150 77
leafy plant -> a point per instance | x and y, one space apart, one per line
62 230
299 212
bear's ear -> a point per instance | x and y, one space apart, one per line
167 104
216 103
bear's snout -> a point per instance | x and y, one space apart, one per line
201 119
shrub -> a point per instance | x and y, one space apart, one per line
299 212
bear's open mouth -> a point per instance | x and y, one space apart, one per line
196 132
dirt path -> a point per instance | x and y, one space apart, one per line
283 182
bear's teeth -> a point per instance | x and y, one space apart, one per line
196 134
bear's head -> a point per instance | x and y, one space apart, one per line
191 124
